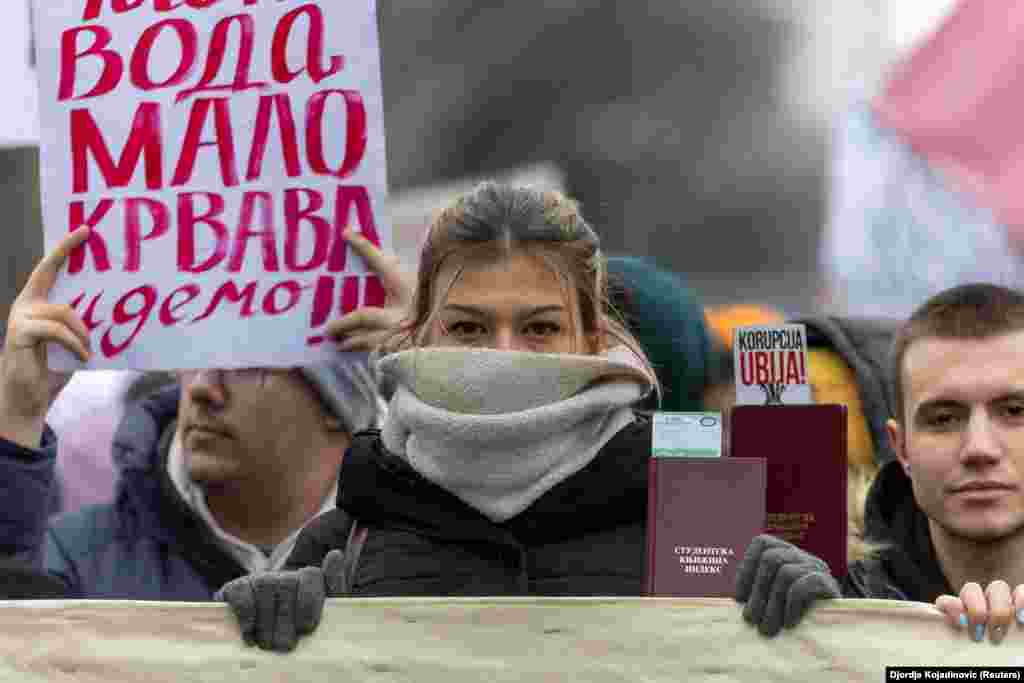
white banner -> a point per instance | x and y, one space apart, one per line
488 639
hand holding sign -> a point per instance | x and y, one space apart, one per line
217 150
33 322
367 328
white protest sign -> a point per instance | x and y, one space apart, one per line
771 365
19 119
217 149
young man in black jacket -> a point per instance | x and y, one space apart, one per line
949 510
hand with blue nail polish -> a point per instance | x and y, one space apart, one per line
978 611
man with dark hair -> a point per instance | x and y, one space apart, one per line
948 512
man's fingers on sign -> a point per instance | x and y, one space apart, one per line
33 320
44 276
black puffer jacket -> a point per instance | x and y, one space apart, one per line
583 537
907 568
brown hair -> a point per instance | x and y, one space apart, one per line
973 311
494 219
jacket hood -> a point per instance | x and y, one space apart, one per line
143 486
864 344
142 425
147 502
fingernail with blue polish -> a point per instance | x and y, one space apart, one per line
979 632
1020 617
963 620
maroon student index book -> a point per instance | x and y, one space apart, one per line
702 514
805 446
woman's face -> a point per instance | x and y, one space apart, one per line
515 304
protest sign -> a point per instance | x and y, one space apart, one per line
19 119
771 365
487 639
217 149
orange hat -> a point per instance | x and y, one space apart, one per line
723 320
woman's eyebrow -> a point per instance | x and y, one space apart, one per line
526 312
459 308
543 309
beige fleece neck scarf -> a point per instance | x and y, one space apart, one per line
498 429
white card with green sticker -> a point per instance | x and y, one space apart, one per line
687 435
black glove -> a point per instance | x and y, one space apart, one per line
778 582
275 608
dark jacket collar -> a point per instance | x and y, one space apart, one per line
380 488
893 518
148 503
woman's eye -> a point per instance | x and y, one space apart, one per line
543 329
1013 409
466 329
942 420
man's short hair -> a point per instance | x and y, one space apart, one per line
972 311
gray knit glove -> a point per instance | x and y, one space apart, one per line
274 609
778 582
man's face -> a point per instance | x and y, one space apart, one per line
963 433
247 425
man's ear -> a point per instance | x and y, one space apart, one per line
897 439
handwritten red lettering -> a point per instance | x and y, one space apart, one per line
94 242
89 316
261 204
293 291
144 140
189 40
113 66
169 307
133 236
229 291
93 8
261 132
122 316
215 58
294 217
187 221
314 50
224 141
355 138
347 197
